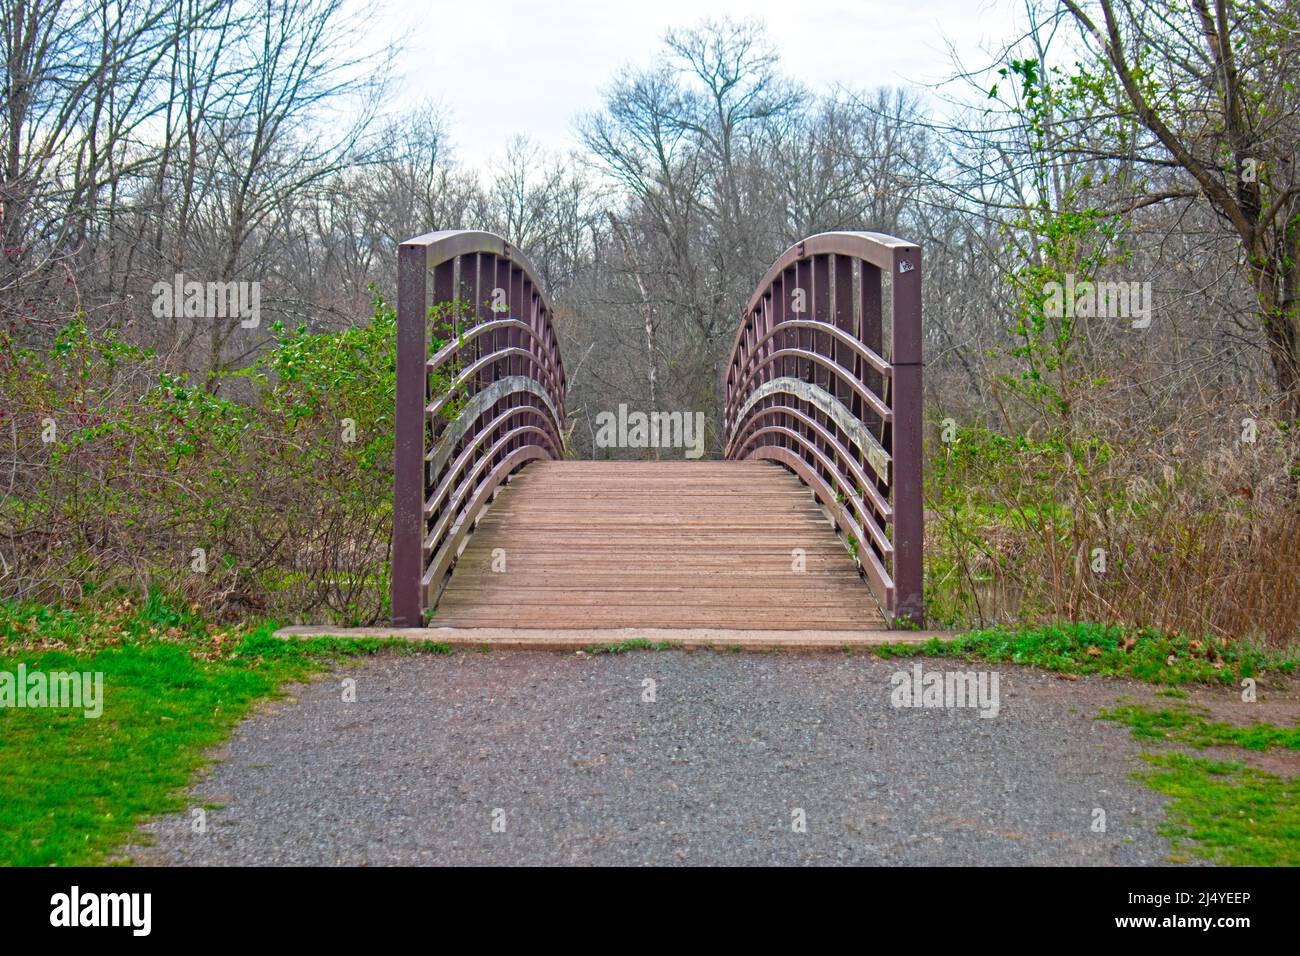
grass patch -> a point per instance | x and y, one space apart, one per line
1106 650
265 644
1186 726
72 789
75 788
1227 812
1220 810
622 647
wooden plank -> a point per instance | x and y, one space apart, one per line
677 545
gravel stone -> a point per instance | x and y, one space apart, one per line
582 770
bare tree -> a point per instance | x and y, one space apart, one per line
1213 88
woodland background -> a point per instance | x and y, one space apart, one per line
1131 140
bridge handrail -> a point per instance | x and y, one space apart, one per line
500 401
808 386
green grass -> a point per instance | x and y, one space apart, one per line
622 647
1106 650
1227 812
1187 726
73 789
1223 811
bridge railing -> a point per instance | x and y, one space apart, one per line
480 393
812 385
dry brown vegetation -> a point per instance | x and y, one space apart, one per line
707 159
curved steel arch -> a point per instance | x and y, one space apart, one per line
808 386
500 402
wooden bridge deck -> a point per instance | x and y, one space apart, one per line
677 544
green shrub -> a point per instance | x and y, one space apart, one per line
268 487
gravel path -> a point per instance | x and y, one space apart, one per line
565 752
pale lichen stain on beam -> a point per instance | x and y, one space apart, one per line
858 433
493 393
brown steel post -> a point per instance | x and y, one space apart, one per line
906 483
823 344
476 281
821 312
804 340
842 316
780 309
408 436
443 328
870 335
520 296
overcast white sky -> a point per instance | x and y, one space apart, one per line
511 66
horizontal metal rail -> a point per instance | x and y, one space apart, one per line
808 386
489 400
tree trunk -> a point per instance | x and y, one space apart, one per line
647 315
